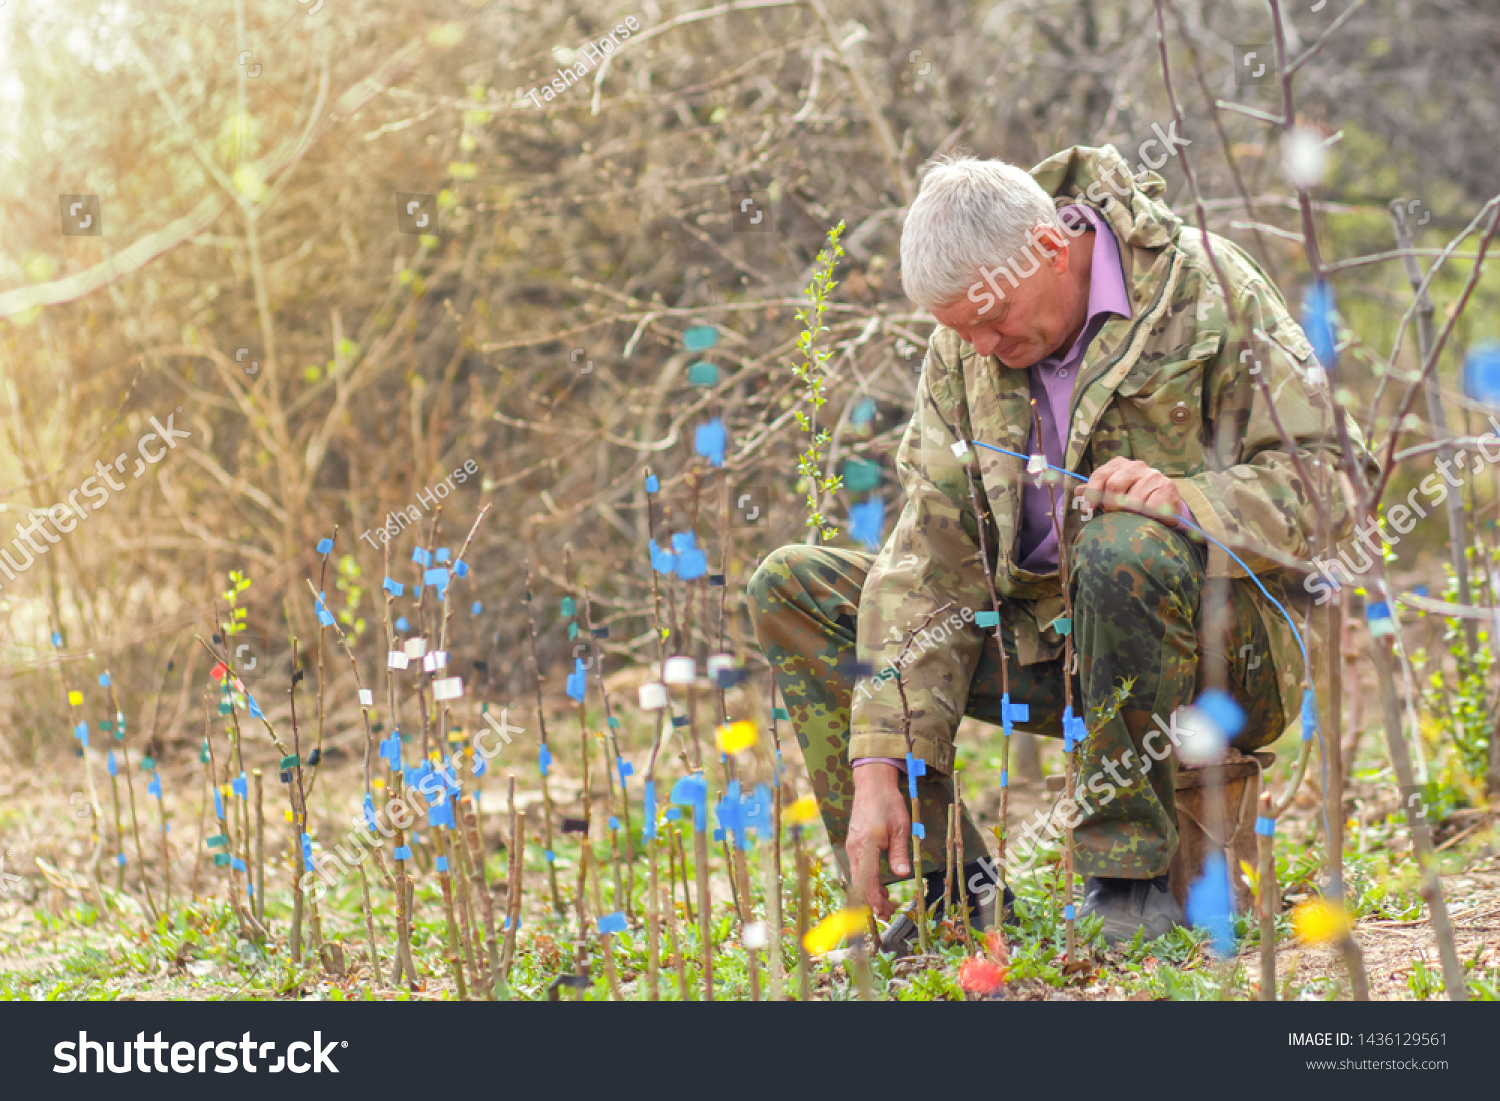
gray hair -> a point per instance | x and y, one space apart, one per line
969 213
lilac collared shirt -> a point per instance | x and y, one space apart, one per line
1052 379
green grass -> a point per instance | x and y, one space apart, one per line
195 950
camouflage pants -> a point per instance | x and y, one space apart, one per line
1137 591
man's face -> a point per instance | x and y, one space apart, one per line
1040 315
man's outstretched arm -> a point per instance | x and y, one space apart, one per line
930 560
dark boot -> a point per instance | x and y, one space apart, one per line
1129 905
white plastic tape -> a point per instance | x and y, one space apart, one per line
680 670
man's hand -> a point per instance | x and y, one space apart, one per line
878 823
1130 485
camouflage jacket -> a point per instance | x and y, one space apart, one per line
1172 386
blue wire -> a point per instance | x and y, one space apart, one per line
1188 523
1306 662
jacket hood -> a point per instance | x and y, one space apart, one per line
1130 200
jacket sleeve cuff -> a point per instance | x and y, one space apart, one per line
938 755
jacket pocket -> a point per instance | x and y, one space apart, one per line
1161 405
